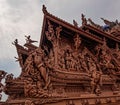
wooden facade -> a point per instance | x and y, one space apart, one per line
73 65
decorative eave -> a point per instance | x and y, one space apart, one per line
63 23
102 33
48 16
23 51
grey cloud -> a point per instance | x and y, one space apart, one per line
70 9
17 21
17 3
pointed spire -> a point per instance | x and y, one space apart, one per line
44 9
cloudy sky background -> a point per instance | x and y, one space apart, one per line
24 17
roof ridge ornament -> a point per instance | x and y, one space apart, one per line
44 9
15 42
84 20
75 23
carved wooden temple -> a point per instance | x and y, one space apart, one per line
72 65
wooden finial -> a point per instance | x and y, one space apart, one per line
44 9
75 23
84 20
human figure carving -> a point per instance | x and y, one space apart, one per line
38 56
50 33
105 62
58 30
68 59
97 50
77 41
53 37
28 65
61 61
35 62
82 61
91 64
77 65
50 29
96 82
50 61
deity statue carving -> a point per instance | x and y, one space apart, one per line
54 37
50 33
77 41
58 30
68 59
105 59
36 69
61 59
96 82
38 56
35 60
91 64
82 61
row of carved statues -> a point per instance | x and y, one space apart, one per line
72 58
80 62
84 61
38 64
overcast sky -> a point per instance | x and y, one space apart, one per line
24 17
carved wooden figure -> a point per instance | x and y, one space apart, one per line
71 66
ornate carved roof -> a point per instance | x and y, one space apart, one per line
71 64
85 28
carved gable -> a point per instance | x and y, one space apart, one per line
72 64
